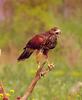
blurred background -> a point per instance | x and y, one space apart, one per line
22 19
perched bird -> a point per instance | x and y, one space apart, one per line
41 43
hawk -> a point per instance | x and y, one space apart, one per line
41 43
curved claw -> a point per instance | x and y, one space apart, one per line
50 66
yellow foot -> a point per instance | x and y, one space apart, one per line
50 66
38 65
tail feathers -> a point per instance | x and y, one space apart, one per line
26 54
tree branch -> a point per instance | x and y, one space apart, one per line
40 72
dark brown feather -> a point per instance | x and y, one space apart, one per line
26 54
44 42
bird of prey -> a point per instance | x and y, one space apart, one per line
41 43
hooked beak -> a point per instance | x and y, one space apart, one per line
58 31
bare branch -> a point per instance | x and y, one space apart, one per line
40 72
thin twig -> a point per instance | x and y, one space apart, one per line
40 72
2 91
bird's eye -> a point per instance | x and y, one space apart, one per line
57 33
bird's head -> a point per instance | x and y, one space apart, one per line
56 31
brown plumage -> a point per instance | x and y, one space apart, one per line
41 42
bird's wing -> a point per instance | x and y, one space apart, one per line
36 42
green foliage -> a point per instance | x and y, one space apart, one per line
55 85
31 17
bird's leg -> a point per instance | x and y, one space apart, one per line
50 65
38 65
46 56
47 60
38 57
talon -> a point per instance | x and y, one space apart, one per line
50 66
